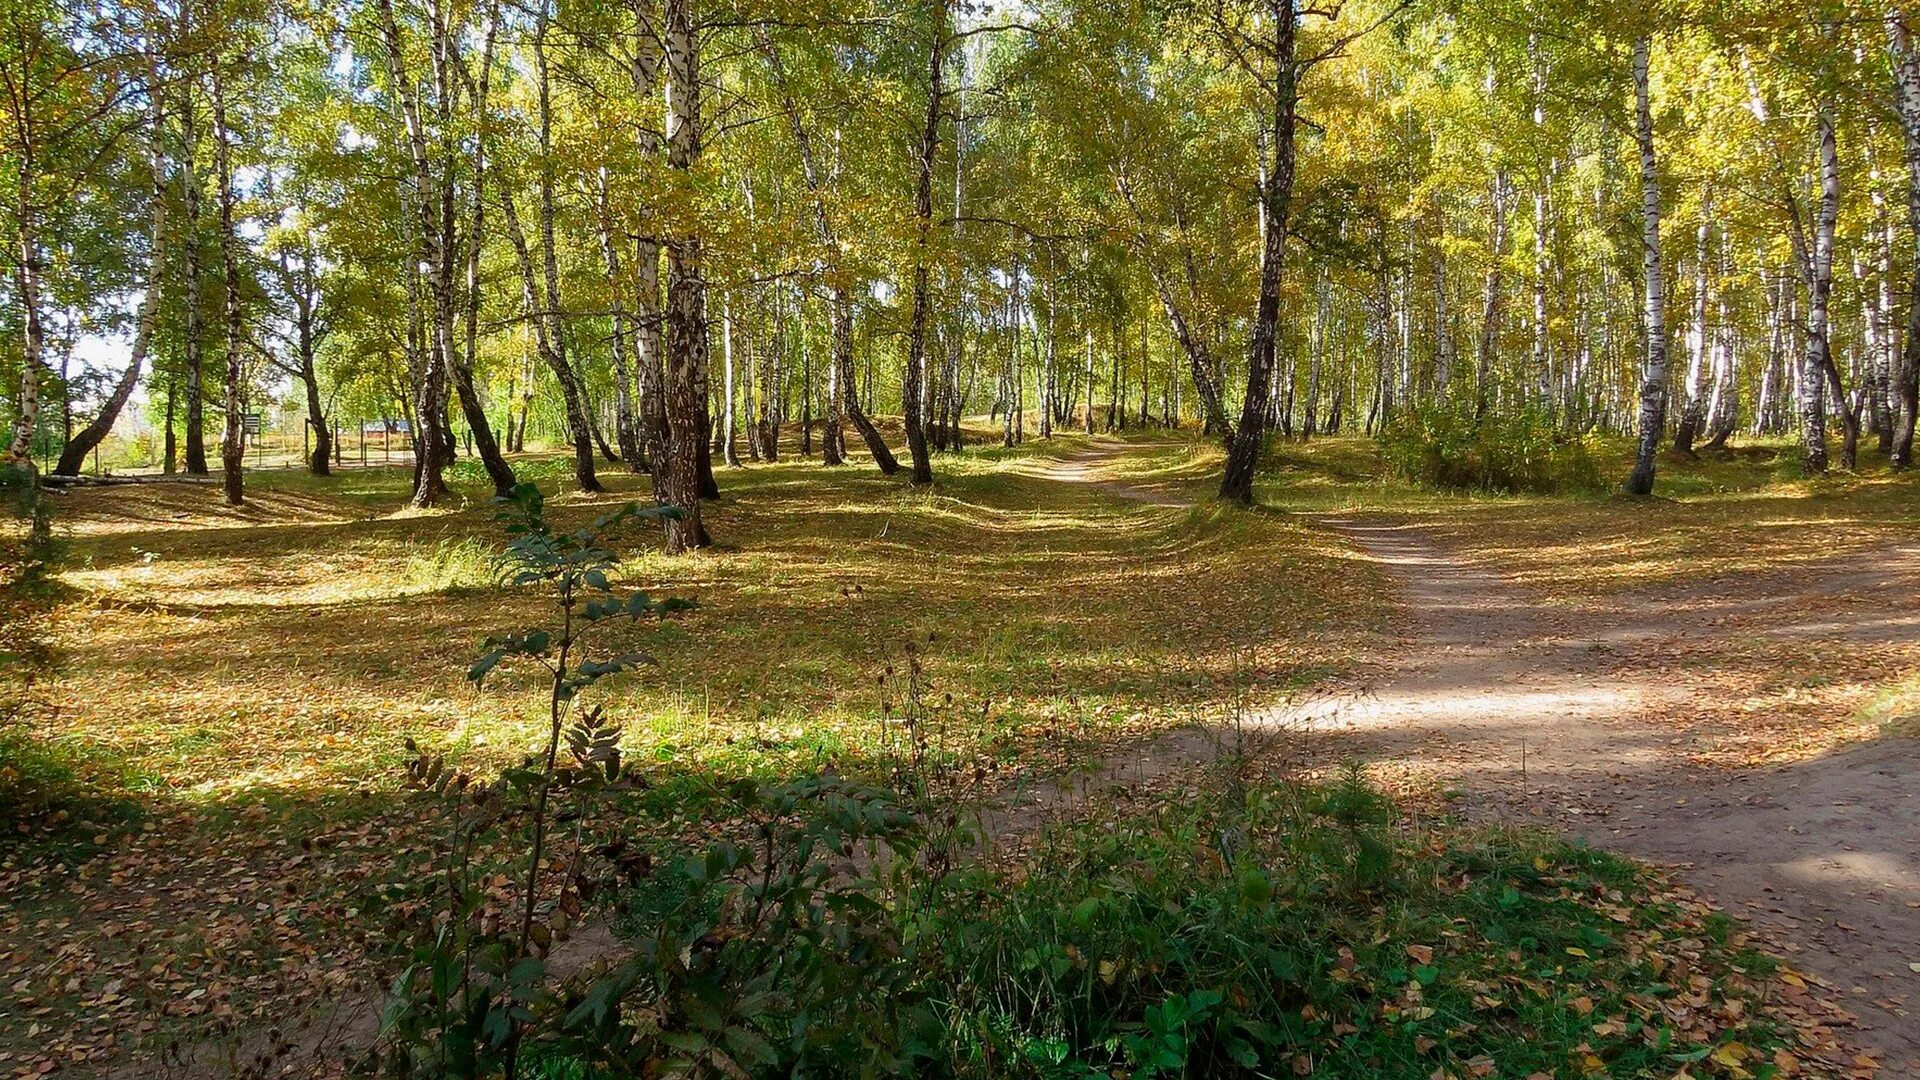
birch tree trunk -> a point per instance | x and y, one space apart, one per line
1816 271
1723 408
539 308
625 424
233 449
573 390
686 315
1087 428
27 288
484 442
433 208
648 50
1690 409
1542 362
728 436
1493 300
1442 316
843 398
1653 364
912 380
1276 199
1906 379
1200 361
195 345
1048 357
1887 348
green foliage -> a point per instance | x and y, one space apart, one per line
781 953
28 550
1235 939
1514 453
450 565
37 783
1290 930
478 965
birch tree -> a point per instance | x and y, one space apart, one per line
1653 364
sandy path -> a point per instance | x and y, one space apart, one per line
1526 710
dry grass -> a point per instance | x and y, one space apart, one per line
282 649
1773 597
1741 512
245 677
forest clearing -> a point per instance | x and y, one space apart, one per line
1054 539
1108 638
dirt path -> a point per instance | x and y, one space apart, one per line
1564 716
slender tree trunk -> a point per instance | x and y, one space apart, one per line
550 347
573 388
1653 369
833 446
1691 407
195 345
1816 268
1048 369
626 424
912 380
33 352
1088 427
471 407
1887 348
728 440
433 207
233 449
1493 302
806 385
1277 200
849 389
843 402
320 459
1723 411
648 315
169 447
1200 363
686 315
1442 317
1906 378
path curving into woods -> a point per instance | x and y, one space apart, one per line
1566 716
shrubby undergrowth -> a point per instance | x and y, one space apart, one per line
1520 452
1291 931
827 926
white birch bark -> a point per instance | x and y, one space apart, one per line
1653 364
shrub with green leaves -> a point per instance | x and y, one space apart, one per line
1296 933
1521 452
462 1007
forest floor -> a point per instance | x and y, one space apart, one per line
1714 704
234 685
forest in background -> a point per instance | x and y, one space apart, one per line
629 228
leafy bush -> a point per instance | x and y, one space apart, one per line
1294 934
1446 446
